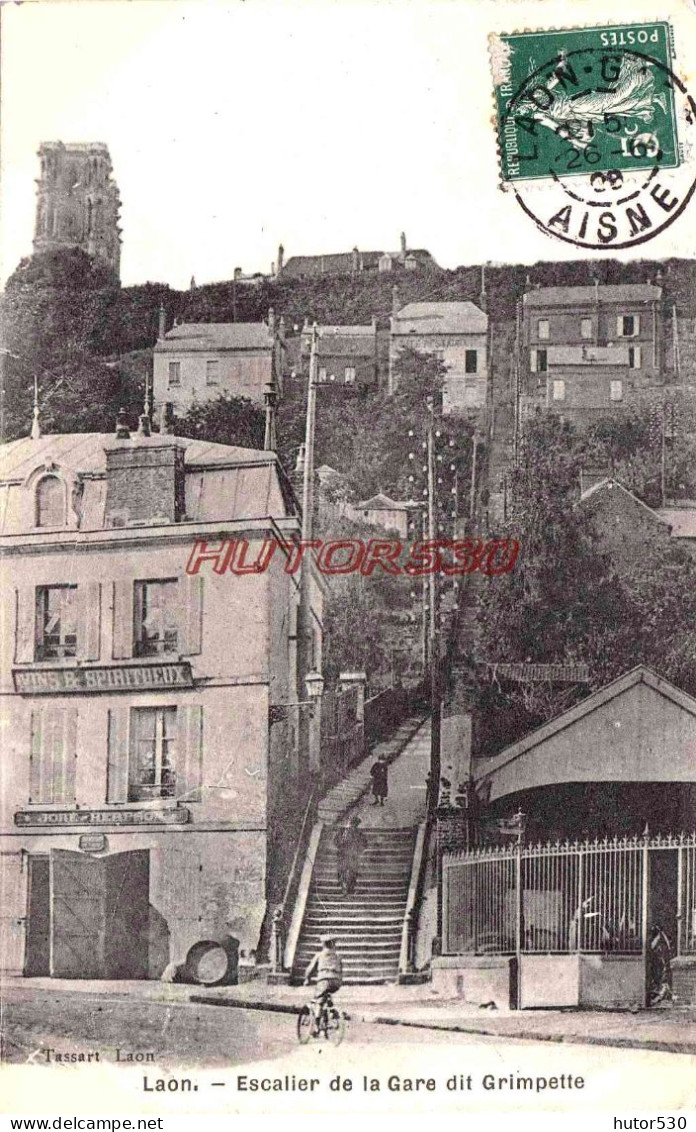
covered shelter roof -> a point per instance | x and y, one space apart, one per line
638 728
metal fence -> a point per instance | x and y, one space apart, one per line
592 896
342 732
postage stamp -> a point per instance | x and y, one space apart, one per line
596 131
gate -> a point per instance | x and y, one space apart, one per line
99 915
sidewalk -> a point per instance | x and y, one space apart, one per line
671 1029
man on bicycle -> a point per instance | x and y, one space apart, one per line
329 971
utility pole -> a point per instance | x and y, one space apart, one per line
435 690
308 480
309 729
472 493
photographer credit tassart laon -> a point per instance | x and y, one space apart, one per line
450 557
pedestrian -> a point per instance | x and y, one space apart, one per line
379 773
350 843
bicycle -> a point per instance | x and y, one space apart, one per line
330 1021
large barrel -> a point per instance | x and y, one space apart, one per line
213 962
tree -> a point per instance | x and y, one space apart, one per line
568 601
226 420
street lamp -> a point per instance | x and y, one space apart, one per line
314 683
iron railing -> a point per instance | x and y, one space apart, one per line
590 896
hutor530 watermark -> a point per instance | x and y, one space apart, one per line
452 558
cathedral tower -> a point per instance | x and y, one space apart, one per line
78 201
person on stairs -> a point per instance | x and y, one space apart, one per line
379 773
349 842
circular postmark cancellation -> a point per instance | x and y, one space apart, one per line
597 133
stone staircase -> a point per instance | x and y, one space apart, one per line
367 924
350 789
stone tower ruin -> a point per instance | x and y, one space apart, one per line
78 201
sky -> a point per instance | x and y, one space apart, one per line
235 125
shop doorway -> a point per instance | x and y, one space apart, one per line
88 917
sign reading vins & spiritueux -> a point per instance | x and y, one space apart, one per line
47 681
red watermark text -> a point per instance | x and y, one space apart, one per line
453 558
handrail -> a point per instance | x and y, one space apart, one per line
296 857
414 900
279 926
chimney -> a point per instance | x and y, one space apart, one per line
192 286
355 263
162 325
271 320
403 245
395 299
281 259
122 430
144 483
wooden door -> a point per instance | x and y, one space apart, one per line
37 959
78 910
13 879
127 896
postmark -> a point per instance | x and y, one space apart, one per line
597 137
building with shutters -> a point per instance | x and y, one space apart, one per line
458 334
149 793
200 361
589 350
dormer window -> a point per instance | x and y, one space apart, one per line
50 502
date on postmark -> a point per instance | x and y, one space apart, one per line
596 131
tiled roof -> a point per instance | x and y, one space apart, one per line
610 293
381 502
440 318
207 336
85 452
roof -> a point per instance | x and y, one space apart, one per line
341 263
682 520
382 502
602 488
222 482
610 293
85 452
440 318
341 341
209 336
636 676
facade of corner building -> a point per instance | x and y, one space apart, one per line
197 362
346 355
458 334
148 802
591 349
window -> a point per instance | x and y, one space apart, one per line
627 325
322 374
152 763
559 390
585 327
350 375
50 502
175 373
538 361
634 359
56 622
156 621
212 372
471 361
616 390
543 328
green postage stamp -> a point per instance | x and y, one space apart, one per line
596 131
585 100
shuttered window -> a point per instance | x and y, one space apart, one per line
53 754
156 617
56 622
155 753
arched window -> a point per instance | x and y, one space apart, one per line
50 502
